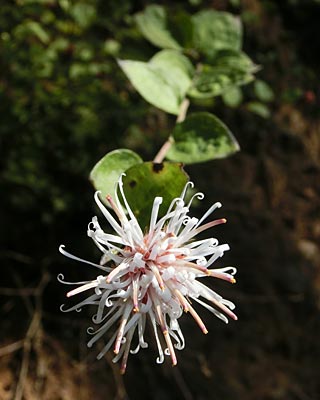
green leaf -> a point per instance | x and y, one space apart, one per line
32 28
107 171
153 24
259 108
263 91
178 68
232 97
235 59
230 68
215 30
201 137
83 14
111 47
163 81
143 182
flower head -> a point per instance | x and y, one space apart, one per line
151 276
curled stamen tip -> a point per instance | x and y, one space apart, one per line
233 280
190 183
96 195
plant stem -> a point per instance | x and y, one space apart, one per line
163 151
183 110
166 146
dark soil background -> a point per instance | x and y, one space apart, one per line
270 193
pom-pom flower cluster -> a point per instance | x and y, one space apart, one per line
151 276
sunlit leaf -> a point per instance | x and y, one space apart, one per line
153 24
163 81
176 67
201 137
216 30
106 172
143 182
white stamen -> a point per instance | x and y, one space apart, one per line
154 213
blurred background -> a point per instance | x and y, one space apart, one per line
64 104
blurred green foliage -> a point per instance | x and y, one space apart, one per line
63 102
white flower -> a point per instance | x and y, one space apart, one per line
151 276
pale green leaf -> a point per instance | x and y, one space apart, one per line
163 81
201 137
153 24
107 171
177 69
216 30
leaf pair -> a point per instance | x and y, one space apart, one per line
201 137
163 81
210 38
143 181
207 31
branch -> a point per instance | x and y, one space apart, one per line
166 146
183 110
32 332
10 348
